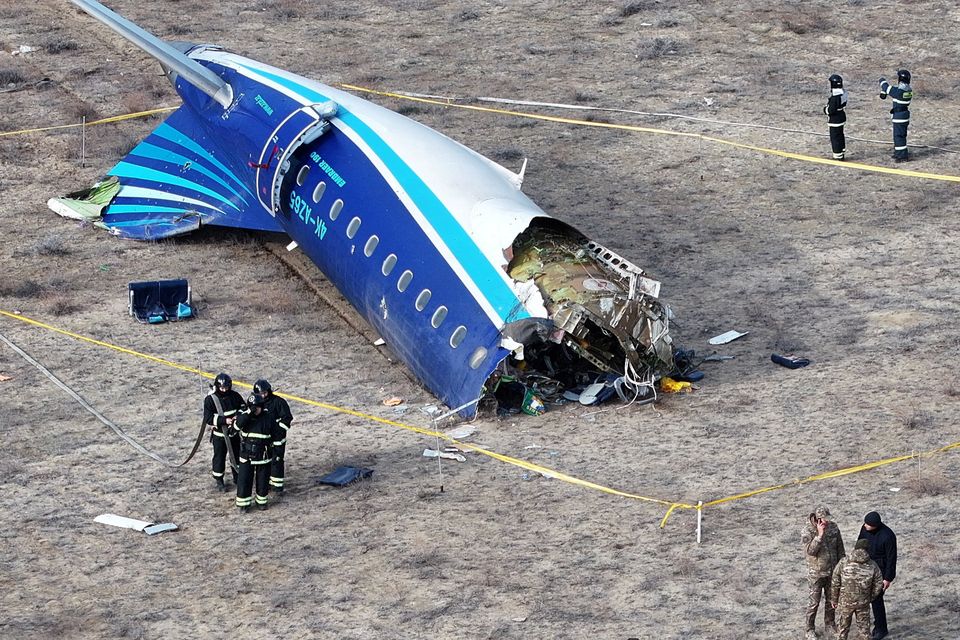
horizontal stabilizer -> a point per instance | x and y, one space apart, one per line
173 182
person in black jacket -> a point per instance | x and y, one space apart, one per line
836 116
883 551
257 433
279 412
900 95
220 409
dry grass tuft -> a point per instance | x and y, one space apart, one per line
137 101
60 45
930 483
82 109
919 419
635 7
657 48
804 24
49 245
11 77
61 306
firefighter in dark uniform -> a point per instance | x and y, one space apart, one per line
279 411
901 95
220 409
834 109
257 432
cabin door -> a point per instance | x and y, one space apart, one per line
300 127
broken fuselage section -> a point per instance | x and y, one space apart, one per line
603 318
465 278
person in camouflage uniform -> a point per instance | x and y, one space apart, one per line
823 547
856 582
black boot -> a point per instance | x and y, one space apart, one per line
262 506
221 487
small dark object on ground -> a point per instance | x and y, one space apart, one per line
342 476
789 361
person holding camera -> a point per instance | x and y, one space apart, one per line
822 547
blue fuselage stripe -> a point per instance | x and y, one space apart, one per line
167 132
147 150
125 169
503 300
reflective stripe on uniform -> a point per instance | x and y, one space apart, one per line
837 124
259 436
285 426
216 475
261 499
244 502
277 443
900 121
903 148
267 461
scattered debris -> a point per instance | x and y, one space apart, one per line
4 378
894 489
729 336
789 361
685 366
716 357
433 453
154 529
22 49
379 342
342 476
431 410
669 385
149 528
158 301
393 401
461 432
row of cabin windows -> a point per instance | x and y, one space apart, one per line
476 359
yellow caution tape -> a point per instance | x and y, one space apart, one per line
127 116
530 466
665 132
523 464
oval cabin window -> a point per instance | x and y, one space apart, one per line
335 209
353 227
318 192
388 264
438 317
371 246
423 299
478 356
302 175
458 335
405 278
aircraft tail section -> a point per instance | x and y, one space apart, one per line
173 182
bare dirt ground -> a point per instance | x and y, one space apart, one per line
856 270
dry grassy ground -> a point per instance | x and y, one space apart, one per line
856 270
